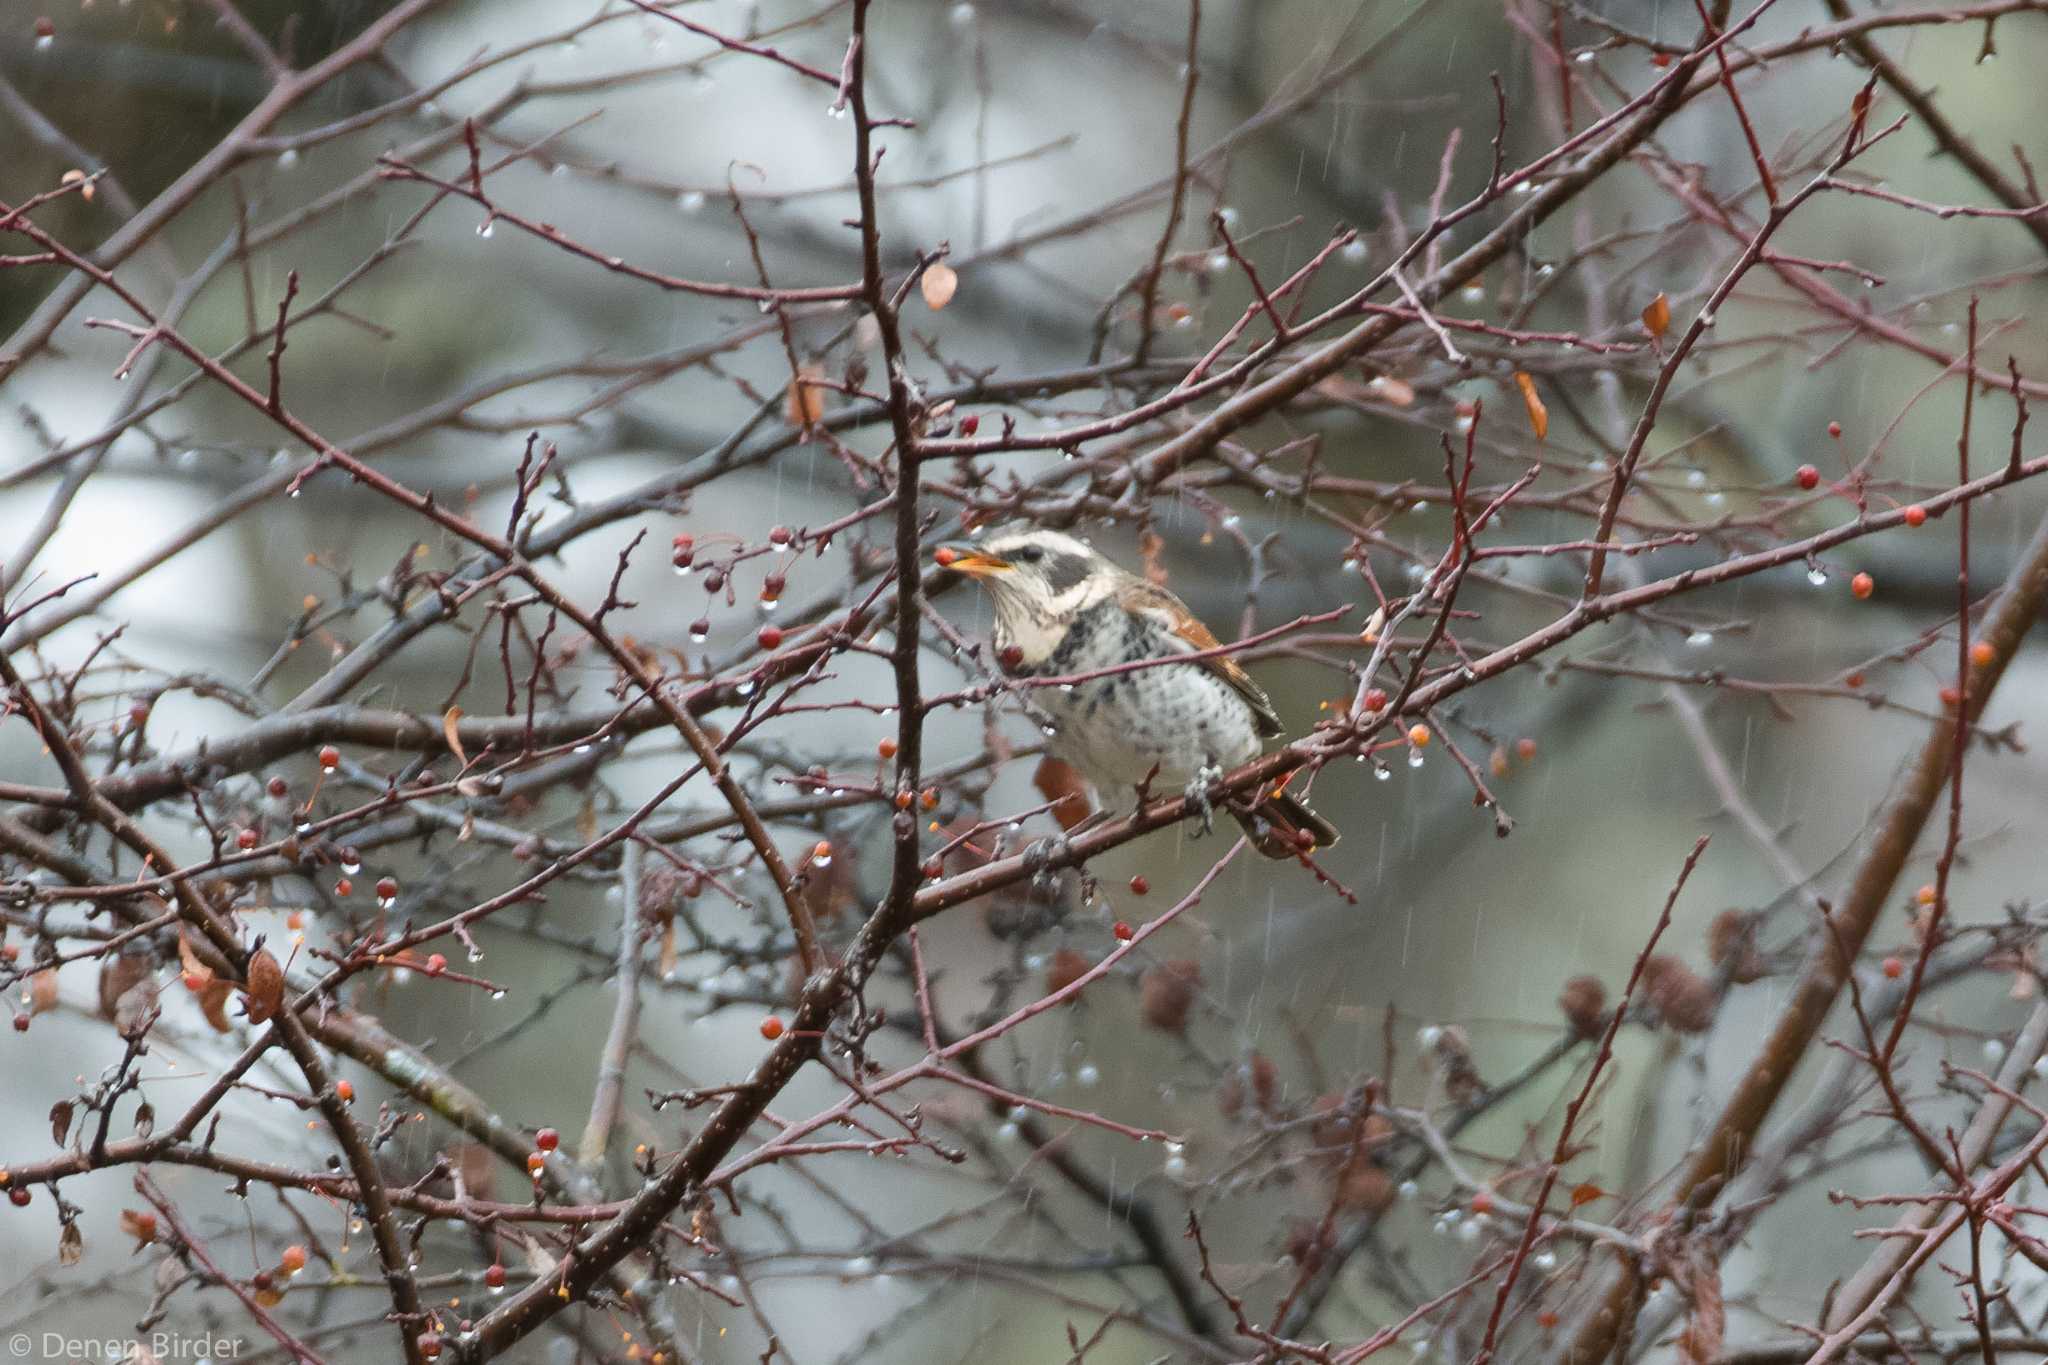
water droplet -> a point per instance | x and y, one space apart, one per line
1008 1132
961 14
498 994
1695 478
1088 1074
1228 215
1469 1230
1219 261
860 1267
1817 576
1176 1167
1994 1051
835 111
1352 252
44 40
386 902
1473 293
288 158
1707 320
351 866
1585 58
823 860
1381 772
1408 1189
476 954
1700 639
690 201
1414 757
1545 1259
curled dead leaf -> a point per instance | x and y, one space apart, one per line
1657 317
213 1003
804 405
42 991
451 730
1060 783
264 994
1539 415
938 285
139 1224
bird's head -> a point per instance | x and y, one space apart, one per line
1037 579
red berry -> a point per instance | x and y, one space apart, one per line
933 870
1835 430
1853 680
344 887
45 26
770 637
944 556
495 1276
771 1028
1011 657
293 1260
772 586
1482 1201
387 888
684 541
1916 515
778 535
714 580
330 757
1659 60
21 1023
1951 697
430 1345
1808 477
1123 931
1862 585
279 788
246 839
262 1282
345 1091
1375 701
547 1139
1525 749
19 1195
536 1163
437 963
970 424
1139 886
1893 968
822 852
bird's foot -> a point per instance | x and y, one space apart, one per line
1043 857
1197 795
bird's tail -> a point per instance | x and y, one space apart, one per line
1282 826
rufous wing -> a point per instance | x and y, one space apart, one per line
1162 606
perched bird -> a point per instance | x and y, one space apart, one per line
1063 609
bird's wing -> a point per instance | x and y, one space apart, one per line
1146 599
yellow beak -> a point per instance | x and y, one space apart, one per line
969 559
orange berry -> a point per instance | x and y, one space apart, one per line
1853 680
1916 515
1893 968
1482 1202
1525 749
437 963
1418 735
536 1163
1862 585
345 1091
1981 654
1950 696
944 556
1926 895
887 748
771 1028
293 1260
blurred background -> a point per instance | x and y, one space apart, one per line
1044 137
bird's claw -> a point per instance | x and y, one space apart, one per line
1197 795
1041 856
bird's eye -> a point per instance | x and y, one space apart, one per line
1030 554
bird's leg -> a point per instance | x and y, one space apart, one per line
1044 857
1197 794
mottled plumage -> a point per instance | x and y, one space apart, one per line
1062 610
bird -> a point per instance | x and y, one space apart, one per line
1062 608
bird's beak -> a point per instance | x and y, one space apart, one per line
964 557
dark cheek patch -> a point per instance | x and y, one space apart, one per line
1064 571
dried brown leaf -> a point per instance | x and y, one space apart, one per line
139 1224
42 991
60 1121
1060 782
1539 416
451 730
1657 317
938 285
264 994
805 403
